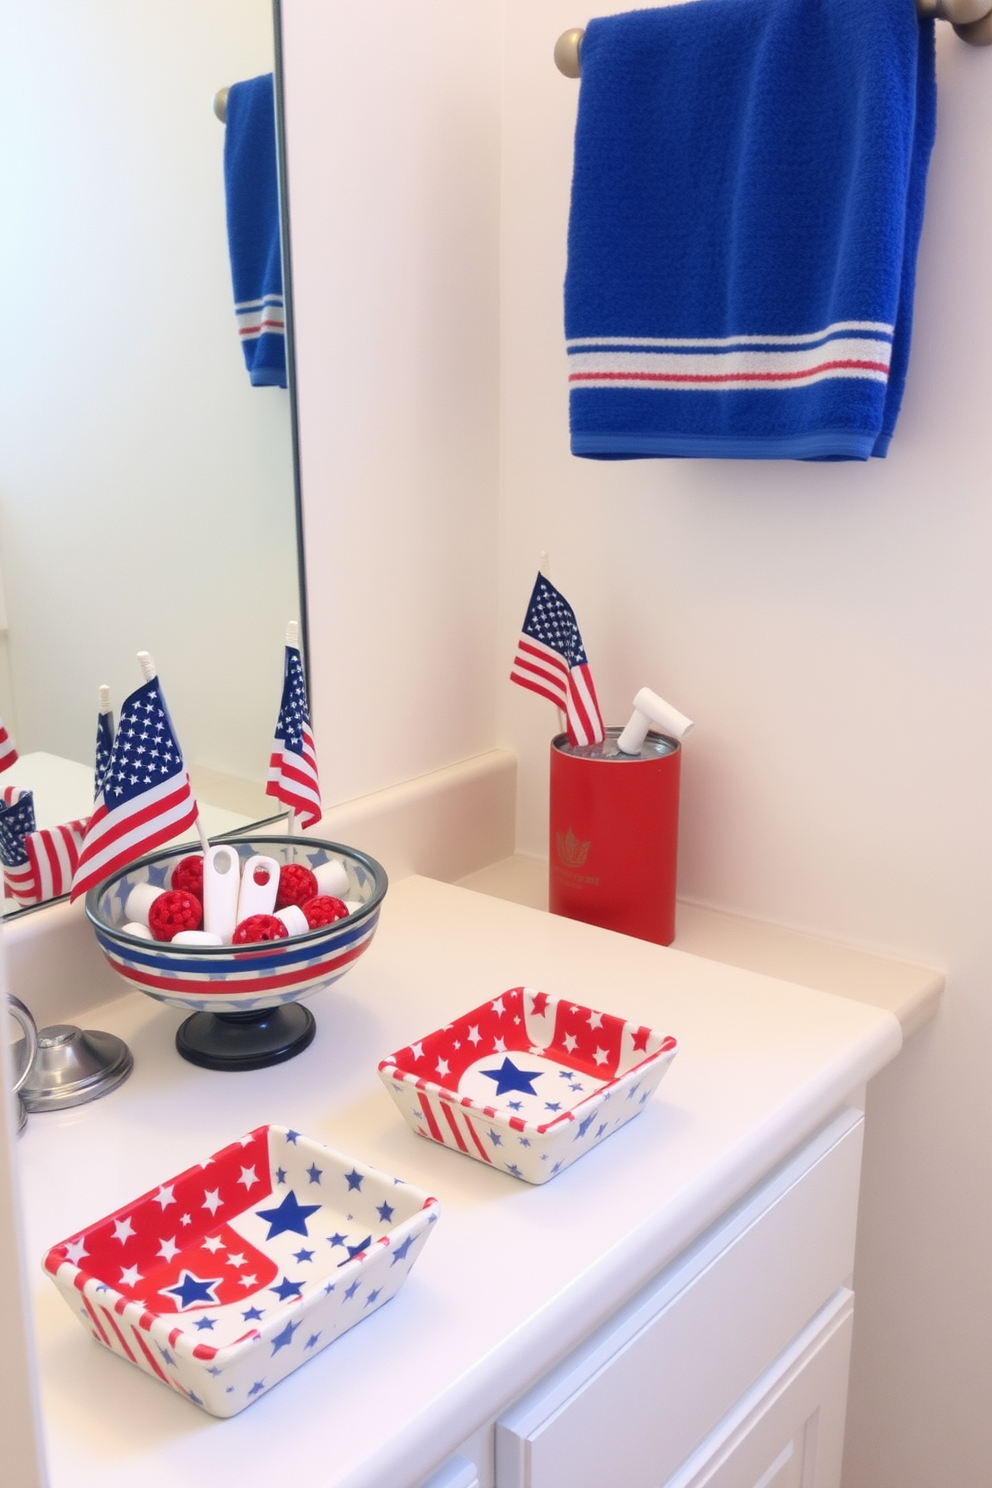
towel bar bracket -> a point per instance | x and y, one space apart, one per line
971 19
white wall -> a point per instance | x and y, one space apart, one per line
146 496
830 629
393 135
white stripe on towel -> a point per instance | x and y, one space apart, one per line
880 327
260 317
732 367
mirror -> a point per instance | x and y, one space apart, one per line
146 488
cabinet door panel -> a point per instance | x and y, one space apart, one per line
793 1434
637 1401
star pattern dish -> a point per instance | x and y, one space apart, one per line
527 1083
225 1279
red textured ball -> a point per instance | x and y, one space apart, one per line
324 910
296 885
173 911
259 927
188 875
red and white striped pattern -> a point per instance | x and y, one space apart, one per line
542 670
115 838
293 779
8 754
53 853
256 318
845 349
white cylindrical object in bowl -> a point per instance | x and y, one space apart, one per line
221 888
351 905
294 919
195 937
650 709
137 928
259 887
332 879
140 900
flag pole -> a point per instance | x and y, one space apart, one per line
105 706
292 639
544 567
149 672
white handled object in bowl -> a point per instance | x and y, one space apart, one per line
221 887
650 709
259 887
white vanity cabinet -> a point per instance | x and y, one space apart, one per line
730 1368
670 1310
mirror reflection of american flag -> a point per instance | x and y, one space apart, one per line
8 754
292 775
38 864
145 798
552 662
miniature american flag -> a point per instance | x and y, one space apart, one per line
551 660
145 798
8 754
293 763
38 864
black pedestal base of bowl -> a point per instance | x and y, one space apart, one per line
246 1041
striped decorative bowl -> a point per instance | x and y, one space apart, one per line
244 983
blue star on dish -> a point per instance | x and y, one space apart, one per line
287 1288
313 1172
584 1126
385 1212
303 1255
258 1385
253 1314
354 1178
289 1215
356 1250
311 1340
336 1239
372 1296
350 1291
400 1252
285 1338
510 1077
202 1323
192 1289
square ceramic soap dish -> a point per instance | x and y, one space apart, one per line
527 1083
227 1278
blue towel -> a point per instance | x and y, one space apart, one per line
746 207
252 185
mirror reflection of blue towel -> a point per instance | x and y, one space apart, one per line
252 187
746 207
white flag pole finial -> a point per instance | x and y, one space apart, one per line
146 664
650 709
104 698
293 634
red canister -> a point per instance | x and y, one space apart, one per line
614 834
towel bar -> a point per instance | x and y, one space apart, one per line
971 19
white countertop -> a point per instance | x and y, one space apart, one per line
513 1276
